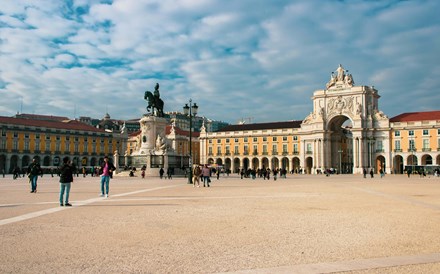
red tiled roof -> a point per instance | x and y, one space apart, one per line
260 126
68 125
41 117
416 116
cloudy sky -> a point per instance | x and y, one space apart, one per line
236 59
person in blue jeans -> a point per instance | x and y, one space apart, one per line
34 170
106 171
66 178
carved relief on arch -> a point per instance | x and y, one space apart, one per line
340 105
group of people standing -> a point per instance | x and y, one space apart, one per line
203 174
66 178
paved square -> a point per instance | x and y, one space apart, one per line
302 224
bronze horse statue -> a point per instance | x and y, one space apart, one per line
154 102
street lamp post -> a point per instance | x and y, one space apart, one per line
190 110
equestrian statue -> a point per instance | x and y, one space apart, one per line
154 102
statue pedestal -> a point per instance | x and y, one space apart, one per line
151 127
153 151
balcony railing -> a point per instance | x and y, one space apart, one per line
255 153
398 150
227 153
274 153
265 153
246 153
309 152
295 152
412 149
426 149
285 153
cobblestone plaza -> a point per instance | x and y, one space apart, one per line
302 224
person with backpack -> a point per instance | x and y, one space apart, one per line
34 170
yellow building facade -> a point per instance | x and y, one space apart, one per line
50 139
346 132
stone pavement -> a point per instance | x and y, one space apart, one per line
302 224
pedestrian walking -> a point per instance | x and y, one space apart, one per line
371 173
170 173
34 170
196 176
206 173
365 173
106 171
66 179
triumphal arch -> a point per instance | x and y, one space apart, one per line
345 128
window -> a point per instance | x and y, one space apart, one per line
26 145
37 145
438 131
411 145
295 148
76 139
67 138
255 139
274 149
264 149
236 140
309 148
86 147
245 139
425 143
228 152
3 144
411 133
76 147
397 133
37 136
379 146
284 148
425 132
236 150
15 135
58 138
3 132
264 139
246 150
219 141
26 135
57 147
67 146
295 138
284 138
274 139
397 144
255 150
227 140
209 142
209 150
15 145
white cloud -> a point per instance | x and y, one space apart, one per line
261 59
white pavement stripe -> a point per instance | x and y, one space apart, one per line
354 265
76 204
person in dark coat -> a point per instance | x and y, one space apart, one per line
66 178
34 170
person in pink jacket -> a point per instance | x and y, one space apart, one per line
206 173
